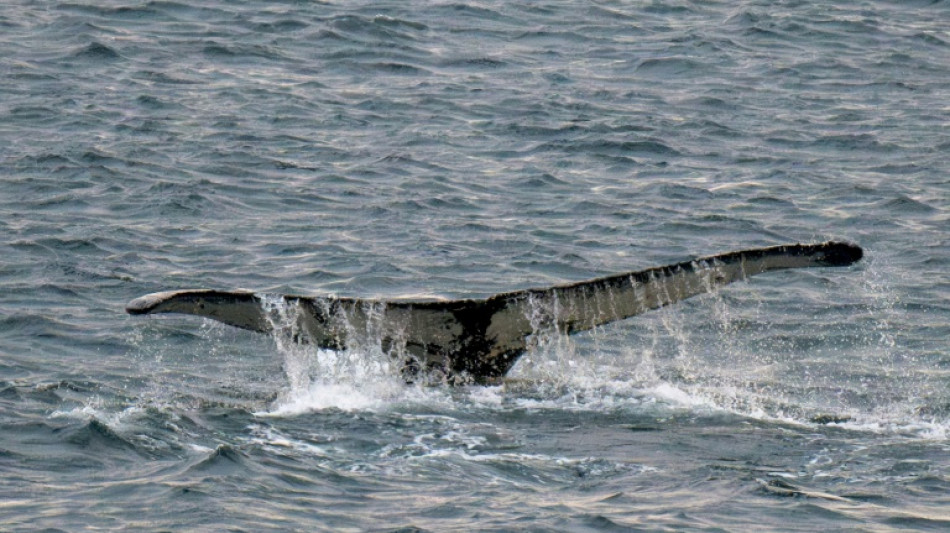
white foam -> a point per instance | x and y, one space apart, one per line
320 396
270 437
492 397
95 410
85 412
673 395
925 430
379 393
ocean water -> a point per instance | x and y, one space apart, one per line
460 149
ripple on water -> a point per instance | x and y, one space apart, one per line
462 150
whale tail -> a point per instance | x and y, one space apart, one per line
480 339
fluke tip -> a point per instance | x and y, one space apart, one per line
841 253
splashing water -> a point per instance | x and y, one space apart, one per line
723 355
362 376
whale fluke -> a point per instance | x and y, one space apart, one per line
479 340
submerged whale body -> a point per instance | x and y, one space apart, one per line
479 340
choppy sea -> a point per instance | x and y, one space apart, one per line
460 149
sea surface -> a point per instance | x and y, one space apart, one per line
460 149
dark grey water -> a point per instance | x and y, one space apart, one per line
461 149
